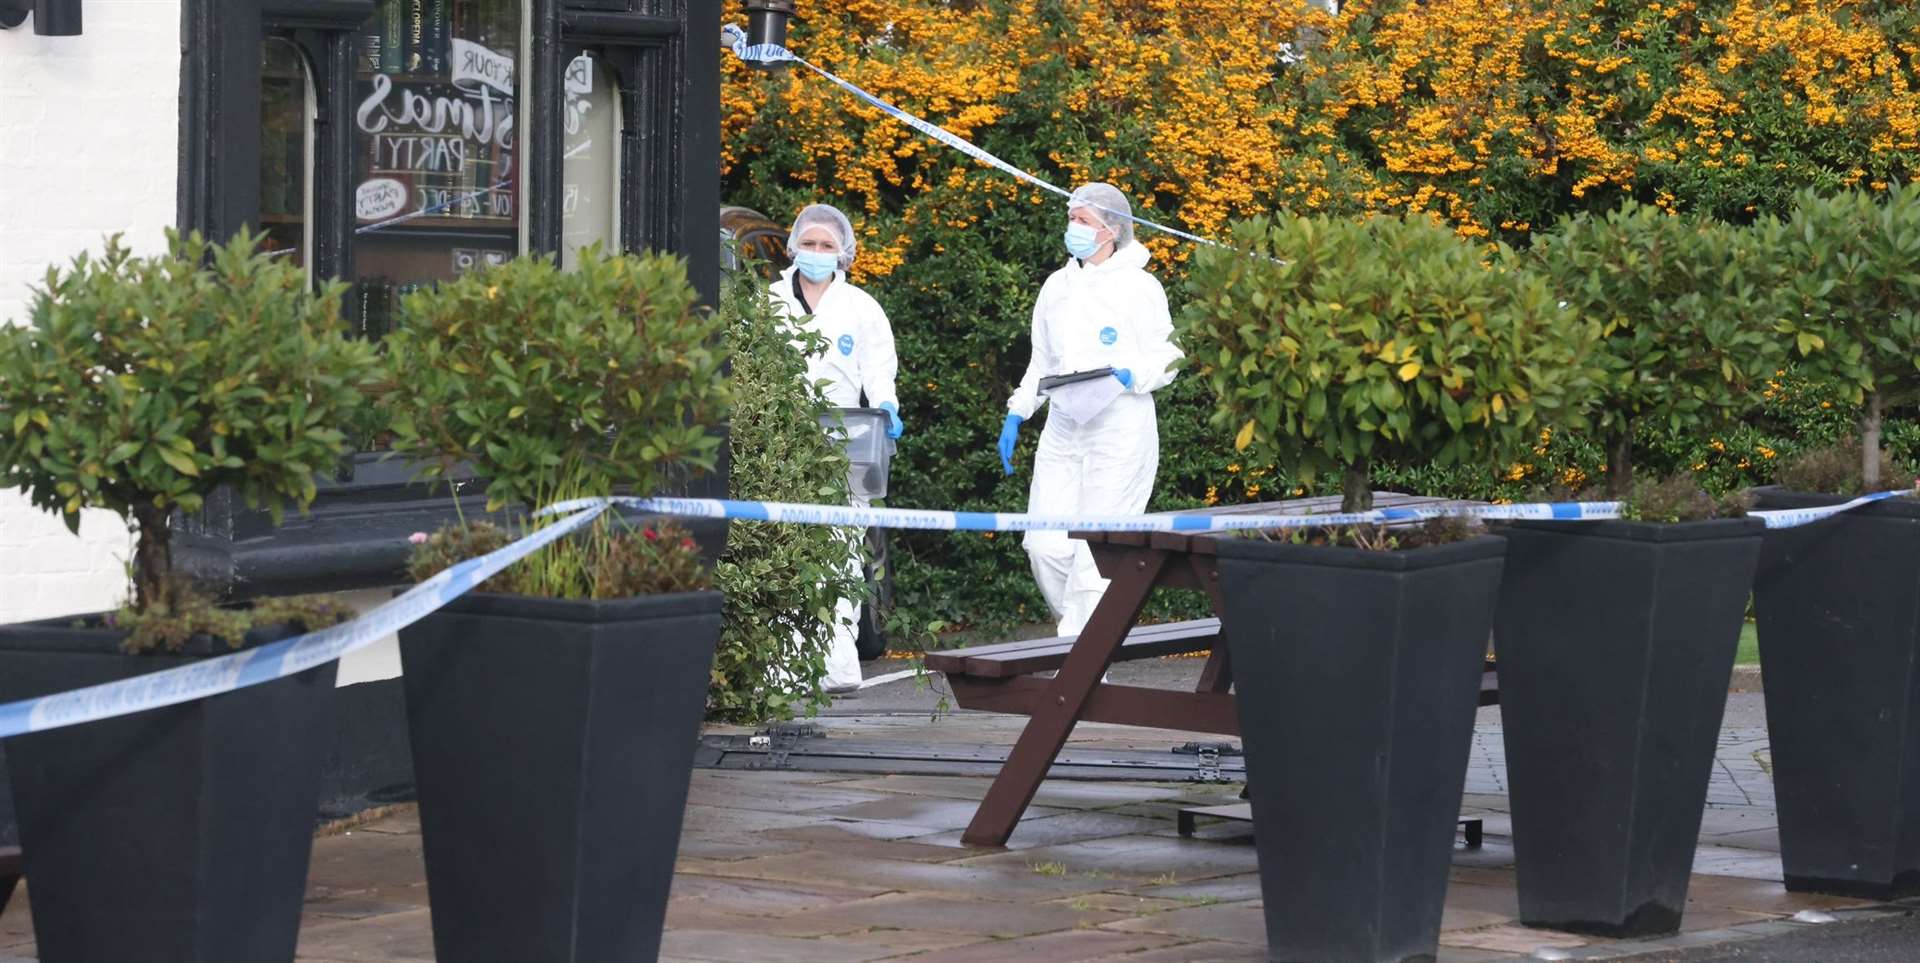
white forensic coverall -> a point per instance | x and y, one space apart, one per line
858 358
1113 314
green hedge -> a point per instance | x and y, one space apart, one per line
781 581
961 311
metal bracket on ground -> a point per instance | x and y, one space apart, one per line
779 741
1207 756
1472 830
806 748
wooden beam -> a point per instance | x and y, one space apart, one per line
1122 704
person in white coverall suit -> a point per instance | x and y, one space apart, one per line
858 358
1101 309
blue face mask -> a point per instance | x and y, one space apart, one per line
1081 240
816 266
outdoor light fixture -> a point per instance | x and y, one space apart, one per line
51 18
767 23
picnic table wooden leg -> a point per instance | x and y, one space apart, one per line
1217 676
1059 706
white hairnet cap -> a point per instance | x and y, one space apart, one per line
1110 206
836 223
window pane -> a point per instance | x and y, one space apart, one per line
285 143
590 209
438 185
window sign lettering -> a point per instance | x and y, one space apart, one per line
437 169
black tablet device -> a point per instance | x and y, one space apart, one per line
1054 381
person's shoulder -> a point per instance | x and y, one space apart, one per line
859 296
1142 280
1058 277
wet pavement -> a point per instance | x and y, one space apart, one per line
836 866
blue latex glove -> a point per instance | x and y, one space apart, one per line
894 426
1009 436
1124 376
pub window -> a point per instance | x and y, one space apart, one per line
590 164
439 135
287 114
437 170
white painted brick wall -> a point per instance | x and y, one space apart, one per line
89 134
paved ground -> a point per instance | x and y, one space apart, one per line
799 867
1882 938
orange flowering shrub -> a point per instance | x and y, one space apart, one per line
1501 116
1172 100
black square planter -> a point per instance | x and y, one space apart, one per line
1616 642
1838 607
1356 678
553 744
175 835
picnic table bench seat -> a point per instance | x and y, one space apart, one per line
1047 654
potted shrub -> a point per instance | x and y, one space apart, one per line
1616 638
1837 603
140 385
1358 655
554 713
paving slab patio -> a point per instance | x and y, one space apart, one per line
847 867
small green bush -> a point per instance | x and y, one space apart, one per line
781 581
556 385
621 561
559 384
1686 309
187 613
1838 470
1680 498
141 385
1337 345
1856 281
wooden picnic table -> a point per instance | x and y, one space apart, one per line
1003 677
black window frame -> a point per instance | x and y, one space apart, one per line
669 159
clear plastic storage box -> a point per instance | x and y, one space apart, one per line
863 433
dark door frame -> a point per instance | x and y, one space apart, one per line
664 52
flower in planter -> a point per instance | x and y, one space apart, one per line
555 385
142 385
1855 311
1335 344
1686 308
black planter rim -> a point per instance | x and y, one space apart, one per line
1702 530
1777 496
638 607
61 634
1341 556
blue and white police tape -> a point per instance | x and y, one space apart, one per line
1796 517
913 518
287 657
774 53
277 659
